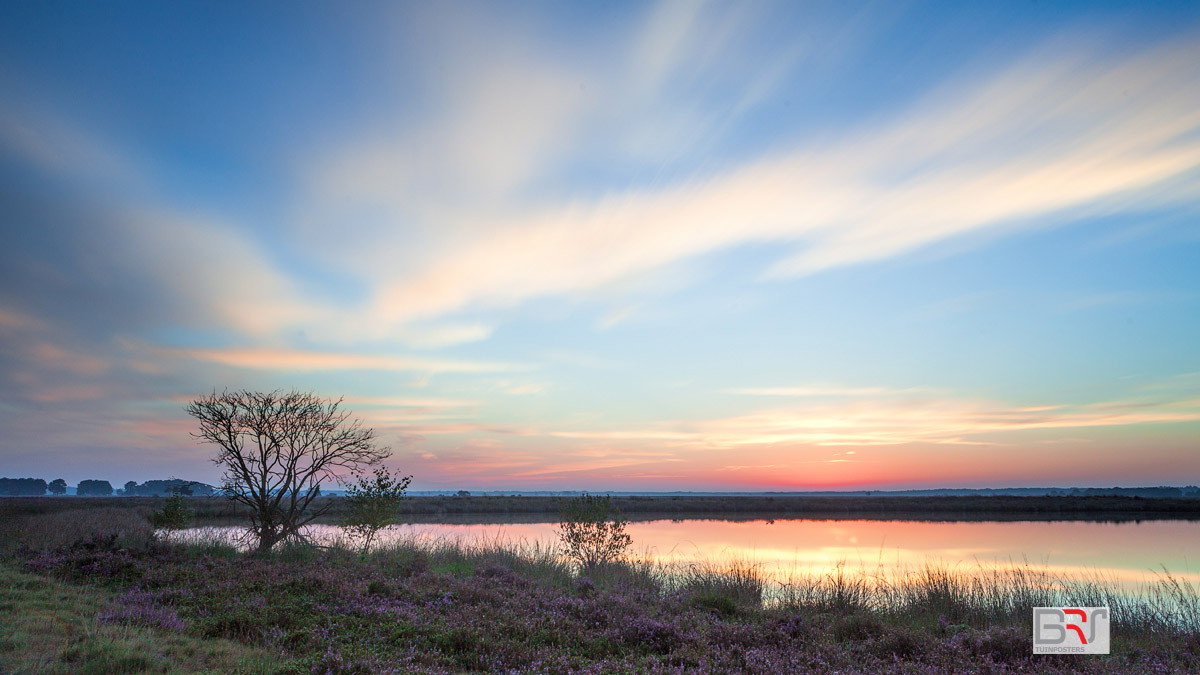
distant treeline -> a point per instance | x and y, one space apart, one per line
172 486
37 487
20 487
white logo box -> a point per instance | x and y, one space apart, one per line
1070 630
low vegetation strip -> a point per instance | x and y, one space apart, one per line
507 608
866 507
640 508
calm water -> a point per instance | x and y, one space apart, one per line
1128 553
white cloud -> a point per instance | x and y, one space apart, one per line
444 335
1066 133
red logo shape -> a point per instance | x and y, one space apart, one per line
1082 618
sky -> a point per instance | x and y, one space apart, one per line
638 246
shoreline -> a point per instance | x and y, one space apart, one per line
484 509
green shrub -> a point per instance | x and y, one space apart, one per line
592 531
721 603
175 515
372 504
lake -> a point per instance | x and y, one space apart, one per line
1126 554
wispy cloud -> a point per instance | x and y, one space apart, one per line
54 357
1069 131
870 420
132 250
445 213
444 335
13 320
407 402
825 391
295 360
54 144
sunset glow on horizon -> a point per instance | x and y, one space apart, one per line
668 246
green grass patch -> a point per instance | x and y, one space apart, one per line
50 628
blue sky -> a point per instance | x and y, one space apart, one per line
674 245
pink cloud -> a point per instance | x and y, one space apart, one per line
49 356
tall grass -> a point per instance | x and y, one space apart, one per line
732 587
127 528
836 590
996 595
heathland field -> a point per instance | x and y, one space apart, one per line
86 586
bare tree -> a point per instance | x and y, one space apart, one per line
277 448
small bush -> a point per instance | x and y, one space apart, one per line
585 588
998 644
592 531
720 603
650 634
857 627
372 504
794 626
174 516
139 608
899 643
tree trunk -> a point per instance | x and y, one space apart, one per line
266 541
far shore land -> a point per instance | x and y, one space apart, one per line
534 509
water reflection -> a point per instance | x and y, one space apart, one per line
1124 553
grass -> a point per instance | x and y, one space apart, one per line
729 589
998 595
121 527
51 627
104 600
